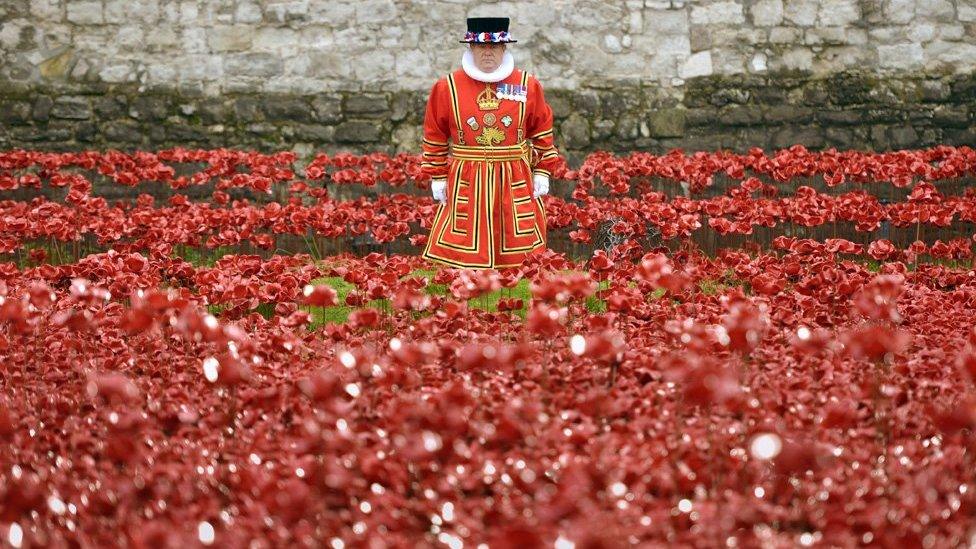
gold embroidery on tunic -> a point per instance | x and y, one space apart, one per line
490 136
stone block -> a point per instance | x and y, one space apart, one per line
587 101
966 136
359 131
84 12
376 68
898 12
23 134
922 32
146 11
185 133
933 91
253 64
116 12
248 108
195 40
41 110
402 106
811 137
329 65
840 117
841 138
15 112
52 132
286 108
116 73
802 13
883 114
560 102
407 138
784 35
767 13
951 116
156 134
367 105
327 108
261 128
963 88
717 13
602 129
86 132
229 38
122 131
575 131
375 11
314 132
724 95
900 56
199 68
701 118
838 13
287 11
46 10
770 94
902 137
248 11
667 122
628 128
621 101
741 115
699 64
666 23
922 115
412 63
150 107
72 108
778 114
162 39
937 10
213 110
12 34
275 39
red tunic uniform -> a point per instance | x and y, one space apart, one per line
490 218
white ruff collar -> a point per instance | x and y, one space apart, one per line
501 73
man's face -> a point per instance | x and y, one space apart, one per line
487 56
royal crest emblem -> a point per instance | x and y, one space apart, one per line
487 100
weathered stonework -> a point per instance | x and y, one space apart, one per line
620 74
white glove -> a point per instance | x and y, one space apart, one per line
438 188
540 184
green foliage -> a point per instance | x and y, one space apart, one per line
203 257
711 287
489 302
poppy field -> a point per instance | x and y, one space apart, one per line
245 350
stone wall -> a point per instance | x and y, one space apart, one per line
620 74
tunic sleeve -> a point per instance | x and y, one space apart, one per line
436 130
539 129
